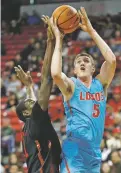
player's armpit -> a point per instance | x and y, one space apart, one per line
65 84
106 73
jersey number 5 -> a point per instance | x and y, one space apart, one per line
96 110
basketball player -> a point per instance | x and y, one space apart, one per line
40 142
84 101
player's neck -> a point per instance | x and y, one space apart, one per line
86 81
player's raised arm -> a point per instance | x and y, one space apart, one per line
46 79
62 81
108 68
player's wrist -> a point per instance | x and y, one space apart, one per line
49 39
29 86
91 31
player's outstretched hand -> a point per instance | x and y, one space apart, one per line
85 24
46 20
55 29
25 78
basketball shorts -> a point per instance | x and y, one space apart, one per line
79 159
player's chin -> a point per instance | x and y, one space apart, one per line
82 74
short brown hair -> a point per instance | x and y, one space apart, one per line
85 54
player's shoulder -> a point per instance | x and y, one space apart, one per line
97 81
38 114
37 109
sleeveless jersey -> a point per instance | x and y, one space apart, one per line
85 112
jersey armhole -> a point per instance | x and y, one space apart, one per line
103 87
74 81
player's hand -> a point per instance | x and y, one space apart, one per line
50 34
85 25
55 29
25 78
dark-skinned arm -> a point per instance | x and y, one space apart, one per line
46 79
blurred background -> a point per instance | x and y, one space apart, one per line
23 42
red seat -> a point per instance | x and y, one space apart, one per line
11 114
15 120
11 52
7 57
18 137
4 100
17 127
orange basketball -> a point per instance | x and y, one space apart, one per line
67 18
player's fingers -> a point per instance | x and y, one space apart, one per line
83 11
80 14
43 19
43 16
17 70
47 17
28 73
80 25
21 70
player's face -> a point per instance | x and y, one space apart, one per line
83 67
29 103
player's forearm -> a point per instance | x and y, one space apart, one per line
30 92
46 80
56 65
46 72
104 48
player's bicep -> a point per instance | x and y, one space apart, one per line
65 84
106 73
44 93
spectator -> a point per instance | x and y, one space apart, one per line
40 38
105 168
118 36
3 89
115 102
4 28
18 60
3 50
109 119
14 169
13 159
24 18
116 48
10 66
116 160
109 27
2 169
21 92
28 49
83 36
33 63
13 83
14 27
34 19
12 101
38 51
7 137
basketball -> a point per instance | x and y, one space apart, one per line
67 18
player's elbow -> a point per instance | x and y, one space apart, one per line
55 75
113 60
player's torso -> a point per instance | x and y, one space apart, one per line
38 144
30 142
85 111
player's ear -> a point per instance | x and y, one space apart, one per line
74 71
93 69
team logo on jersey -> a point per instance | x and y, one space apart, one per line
99 96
